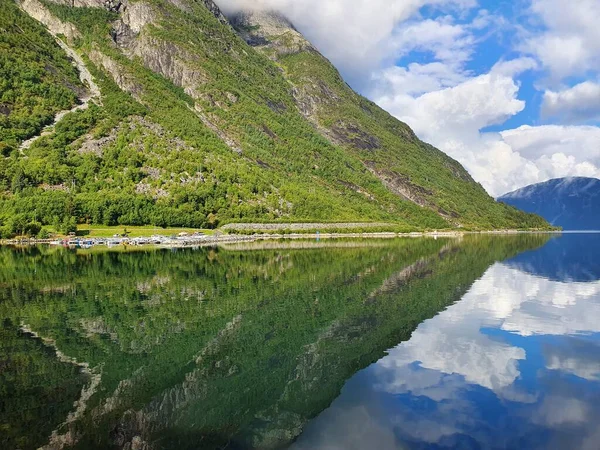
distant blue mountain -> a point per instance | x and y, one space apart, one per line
571 203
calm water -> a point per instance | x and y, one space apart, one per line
426 344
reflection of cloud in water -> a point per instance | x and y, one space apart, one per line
556 410
494 370
453 351
576 356
507 299
478 358
547 307
348 429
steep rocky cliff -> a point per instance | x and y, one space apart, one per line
270 131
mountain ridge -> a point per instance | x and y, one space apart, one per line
206 120
570 202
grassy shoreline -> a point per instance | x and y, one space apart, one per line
102 231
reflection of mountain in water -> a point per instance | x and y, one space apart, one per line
213 348
570 257
514 364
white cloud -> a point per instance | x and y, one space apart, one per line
534 142
579 103
453 112
514 67
448 42
357 35
570 41
416 79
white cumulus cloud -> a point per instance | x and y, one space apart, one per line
580 103
454 114
569 43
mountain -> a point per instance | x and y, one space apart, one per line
570 203
165 112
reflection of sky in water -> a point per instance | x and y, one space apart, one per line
514 364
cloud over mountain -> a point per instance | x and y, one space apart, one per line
452 69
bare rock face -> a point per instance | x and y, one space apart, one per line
162 57
170 61
214 9
40 13
270 29
137 15
124 80
111 5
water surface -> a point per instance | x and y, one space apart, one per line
515 364
482 342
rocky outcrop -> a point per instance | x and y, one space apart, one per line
40 13
124 80
270 29
214 9
170 61
136 16
162 57
350 134
400 185
111 5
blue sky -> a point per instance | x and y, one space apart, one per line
511 89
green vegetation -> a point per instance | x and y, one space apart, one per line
148 153
200 348
99 231
37 79
37 390
386 146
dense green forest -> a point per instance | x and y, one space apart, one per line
211 134
37 80
279 331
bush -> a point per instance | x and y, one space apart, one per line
32 229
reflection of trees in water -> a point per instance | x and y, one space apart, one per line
218 345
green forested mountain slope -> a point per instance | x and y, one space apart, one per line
37 79
195 127
387 147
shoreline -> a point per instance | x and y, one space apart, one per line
197 241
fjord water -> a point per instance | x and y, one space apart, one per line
479 342
515 364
